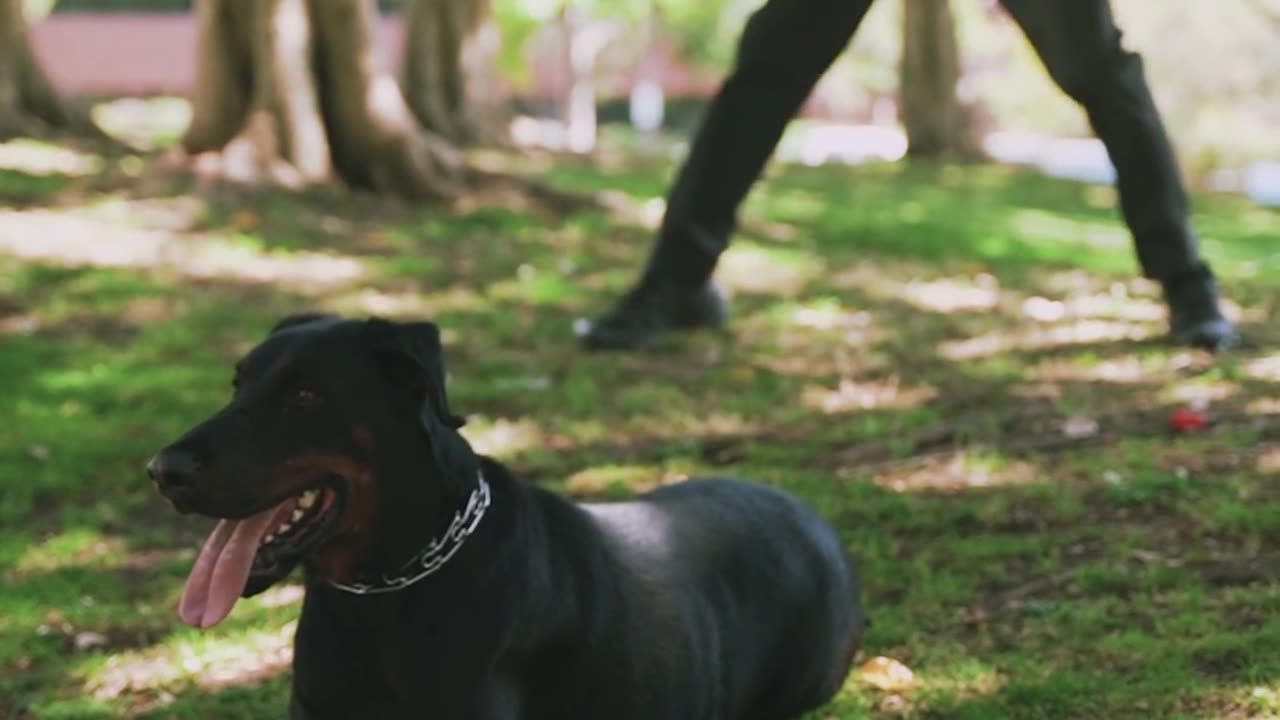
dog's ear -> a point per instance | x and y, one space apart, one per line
414 358
297 319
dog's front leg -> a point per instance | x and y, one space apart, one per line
297 710
373 709
501 700
484 698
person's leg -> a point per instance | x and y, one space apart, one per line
785 48
1080 45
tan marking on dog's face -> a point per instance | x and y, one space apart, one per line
363 438
335 558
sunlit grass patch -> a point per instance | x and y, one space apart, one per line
38 159
619 481
955 365
144 122
775 270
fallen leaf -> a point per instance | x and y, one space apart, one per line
887 674
89 640
1188 419
894 703
244 220
1079 427
1044 309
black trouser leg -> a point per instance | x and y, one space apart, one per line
785 48
1080 45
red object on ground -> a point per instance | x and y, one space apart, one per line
1188 420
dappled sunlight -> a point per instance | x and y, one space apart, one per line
812 337
1268 461
669 425
133 313
947 295
822 143
748 267
805 355
874 278
535 286
652 211
1080 332
644 213
955 676
1108 304
1072 296
611 480
954 472
146 123
1139 368
74 240
1129 369
1266 369
774 232
84 548
1200 393
1034 226
849 395
215 660
1258 699
1263 406
73 379
792 204
972 422
282 596
69 549
39 158
372 301
829 315
503 437
19 324
375 301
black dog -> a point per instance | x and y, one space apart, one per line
440 587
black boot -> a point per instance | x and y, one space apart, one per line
649 310
1194 316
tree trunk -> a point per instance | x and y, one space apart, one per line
295 92
449 66
937 123
581 44
28 102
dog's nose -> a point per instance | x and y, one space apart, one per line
172 469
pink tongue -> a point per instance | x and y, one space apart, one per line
220 572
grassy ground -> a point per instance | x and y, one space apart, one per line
955 365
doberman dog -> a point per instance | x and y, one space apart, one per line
438 585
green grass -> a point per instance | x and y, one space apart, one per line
907 344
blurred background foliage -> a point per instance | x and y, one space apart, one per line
1209 63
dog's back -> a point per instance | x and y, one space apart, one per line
438 584
742 584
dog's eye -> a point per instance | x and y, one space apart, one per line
306 398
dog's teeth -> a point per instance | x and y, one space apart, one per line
284 528
297 515
269 538
308 498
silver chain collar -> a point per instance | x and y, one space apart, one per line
434 556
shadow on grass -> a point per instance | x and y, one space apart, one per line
901 359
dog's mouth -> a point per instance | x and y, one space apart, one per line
262 546
298 524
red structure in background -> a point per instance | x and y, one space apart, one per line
140 54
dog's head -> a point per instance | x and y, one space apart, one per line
335 430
